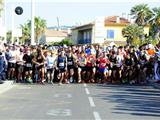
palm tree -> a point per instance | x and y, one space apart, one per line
26 32
40 27
142 14
132 33
1 6
155 23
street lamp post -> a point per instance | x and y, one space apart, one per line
19 12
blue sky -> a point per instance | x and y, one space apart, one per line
69 12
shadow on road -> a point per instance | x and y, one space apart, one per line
134 100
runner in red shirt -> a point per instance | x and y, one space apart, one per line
90 67
103 67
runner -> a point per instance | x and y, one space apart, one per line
81 66
20 66
91 67
103 67
28 57
62 67
39 60
70 66
11 63
50 66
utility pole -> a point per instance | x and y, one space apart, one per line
5 22
58 24
12 39
32 21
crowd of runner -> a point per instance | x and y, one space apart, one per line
80 63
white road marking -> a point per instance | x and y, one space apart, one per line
59 95
96 116
60 112
23 88
85 85
5 88
91 101
87 91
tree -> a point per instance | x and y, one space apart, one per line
9 36
142 14
132 33
66 42
155 23
1 6
26 32
40 27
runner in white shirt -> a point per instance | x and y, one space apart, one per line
20 65
50 66
12 63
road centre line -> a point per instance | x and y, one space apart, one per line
91 101
87 91
92 104
85 85
96 115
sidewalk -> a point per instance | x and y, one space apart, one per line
6 86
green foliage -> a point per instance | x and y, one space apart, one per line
1 6
40 26
155 24
9 36
133 32
148 40
26 32
136 41
142 14
66 42
63 42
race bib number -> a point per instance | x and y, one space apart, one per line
51 64
118 65
61 64
103 64
70 63
49 67
28 65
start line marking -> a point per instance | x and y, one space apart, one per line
60 112
60 95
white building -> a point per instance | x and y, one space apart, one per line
54 36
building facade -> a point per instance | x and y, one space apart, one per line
52 35
102 30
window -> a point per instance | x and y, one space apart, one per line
110 34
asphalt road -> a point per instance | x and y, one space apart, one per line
80 102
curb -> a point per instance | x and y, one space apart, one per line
155 85
6 86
